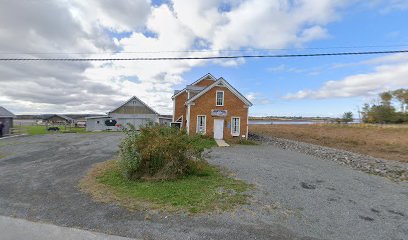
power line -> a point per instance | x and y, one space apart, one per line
206 58
205 50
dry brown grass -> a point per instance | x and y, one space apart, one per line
387 141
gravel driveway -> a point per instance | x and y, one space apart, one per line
296 196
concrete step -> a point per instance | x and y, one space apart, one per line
221 143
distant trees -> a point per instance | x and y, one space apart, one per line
347 117
385 112
402 96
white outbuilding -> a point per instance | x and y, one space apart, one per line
134 111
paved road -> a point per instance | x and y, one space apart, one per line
296 196
16 229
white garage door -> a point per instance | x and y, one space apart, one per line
137 122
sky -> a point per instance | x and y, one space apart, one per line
317 86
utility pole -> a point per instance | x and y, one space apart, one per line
359 113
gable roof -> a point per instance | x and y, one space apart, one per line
61 116
226 84
131 99
5 113
206 76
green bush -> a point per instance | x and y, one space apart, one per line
157 152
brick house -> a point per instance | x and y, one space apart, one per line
212 107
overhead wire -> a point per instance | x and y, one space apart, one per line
210 57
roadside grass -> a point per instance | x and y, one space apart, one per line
382 141
241 141
203 141
205 190
39 130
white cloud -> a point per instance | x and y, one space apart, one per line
383 78
257 98
275 24
118 16
180 26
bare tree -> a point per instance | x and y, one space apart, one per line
402 96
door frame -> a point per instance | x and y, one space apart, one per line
219 120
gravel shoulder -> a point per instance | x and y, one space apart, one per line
394 170
296 196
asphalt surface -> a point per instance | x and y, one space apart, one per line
15 229
296 196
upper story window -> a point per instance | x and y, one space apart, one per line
220 98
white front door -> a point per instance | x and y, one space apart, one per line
218 128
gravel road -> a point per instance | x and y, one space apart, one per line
296 196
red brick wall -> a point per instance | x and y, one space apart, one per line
180 108
205 82
204 105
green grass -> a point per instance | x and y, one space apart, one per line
241 141
206 190
204 141
39 130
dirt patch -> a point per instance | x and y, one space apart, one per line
378 141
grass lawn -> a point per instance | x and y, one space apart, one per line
205 191
38 130
241 141
204 141
383 141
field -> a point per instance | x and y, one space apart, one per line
38 130
382 141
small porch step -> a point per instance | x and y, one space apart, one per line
221 143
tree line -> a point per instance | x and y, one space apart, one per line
383 111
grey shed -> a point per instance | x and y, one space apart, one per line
6 117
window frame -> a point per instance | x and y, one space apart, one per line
216 98
205 124
232 126
181 120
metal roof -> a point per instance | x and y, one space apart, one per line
96 117
194 88
6 113
223 82
206 76
135 98
61 116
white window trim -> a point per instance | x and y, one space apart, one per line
180 118
205 124
232 127
216 98
174 110
188 118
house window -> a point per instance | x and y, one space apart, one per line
220 98
235 126
178 123
201 124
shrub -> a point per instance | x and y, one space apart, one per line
157 152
